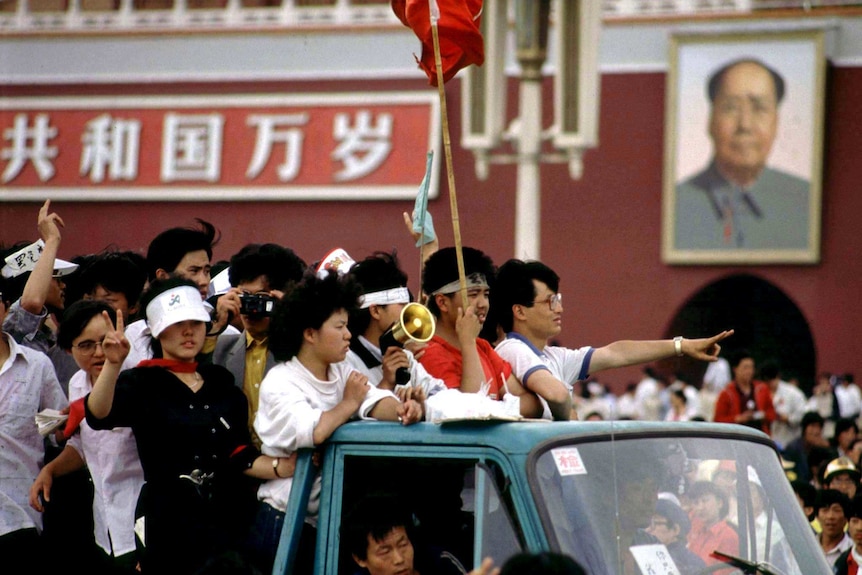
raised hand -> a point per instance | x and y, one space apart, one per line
467 326
49 223
115 345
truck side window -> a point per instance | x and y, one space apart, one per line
496 535
442 494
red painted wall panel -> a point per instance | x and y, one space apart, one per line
601 233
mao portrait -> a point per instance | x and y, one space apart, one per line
746 189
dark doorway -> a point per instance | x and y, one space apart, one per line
765 320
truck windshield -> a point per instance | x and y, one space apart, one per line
664 505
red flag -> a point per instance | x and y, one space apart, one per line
76 416
461 41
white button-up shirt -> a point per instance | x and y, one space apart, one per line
112 458
28 385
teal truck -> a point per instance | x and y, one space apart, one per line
587 489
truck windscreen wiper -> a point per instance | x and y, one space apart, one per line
748 567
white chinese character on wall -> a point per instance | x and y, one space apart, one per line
29 144
363 147
191 147
110 144
268 133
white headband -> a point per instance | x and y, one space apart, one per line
475 280
385 297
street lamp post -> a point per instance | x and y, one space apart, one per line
576 25
531 31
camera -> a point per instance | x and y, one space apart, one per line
256 305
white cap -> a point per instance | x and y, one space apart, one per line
24 260
338 260
173 306
220 284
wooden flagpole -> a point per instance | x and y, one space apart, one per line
447 149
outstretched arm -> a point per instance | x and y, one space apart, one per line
628 352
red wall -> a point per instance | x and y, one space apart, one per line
601 233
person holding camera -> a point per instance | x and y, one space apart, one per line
258 275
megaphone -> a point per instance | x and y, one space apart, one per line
416 323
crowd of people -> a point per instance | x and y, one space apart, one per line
189 385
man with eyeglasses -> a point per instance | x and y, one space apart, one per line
670 524
530 310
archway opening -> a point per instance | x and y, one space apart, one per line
765 320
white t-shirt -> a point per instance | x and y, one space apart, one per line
849 400
291 402
567 365
789 401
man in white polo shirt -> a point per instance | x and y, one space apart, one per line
530 310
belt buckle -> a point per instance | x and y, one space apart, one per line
200 480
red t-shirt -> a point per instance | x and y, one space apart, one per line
702 541
443 360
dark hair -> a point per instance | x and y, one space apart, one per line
737 356
827 497
278 264
441 268
13 287
77 316
700 488
308 305
843 424
855 508
514 285
544 562
3 287
156 288
167 249
806 492
769 370
715 81
379 271
123 272
811 418
679 394
375 515
675 515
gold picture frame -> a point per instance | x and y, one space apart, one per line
743 161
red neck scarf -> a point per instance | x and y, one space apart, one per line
171 365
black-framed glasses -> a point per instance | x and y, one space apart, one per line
87 347
554 301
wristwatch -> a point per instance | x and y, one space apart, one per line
677 345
